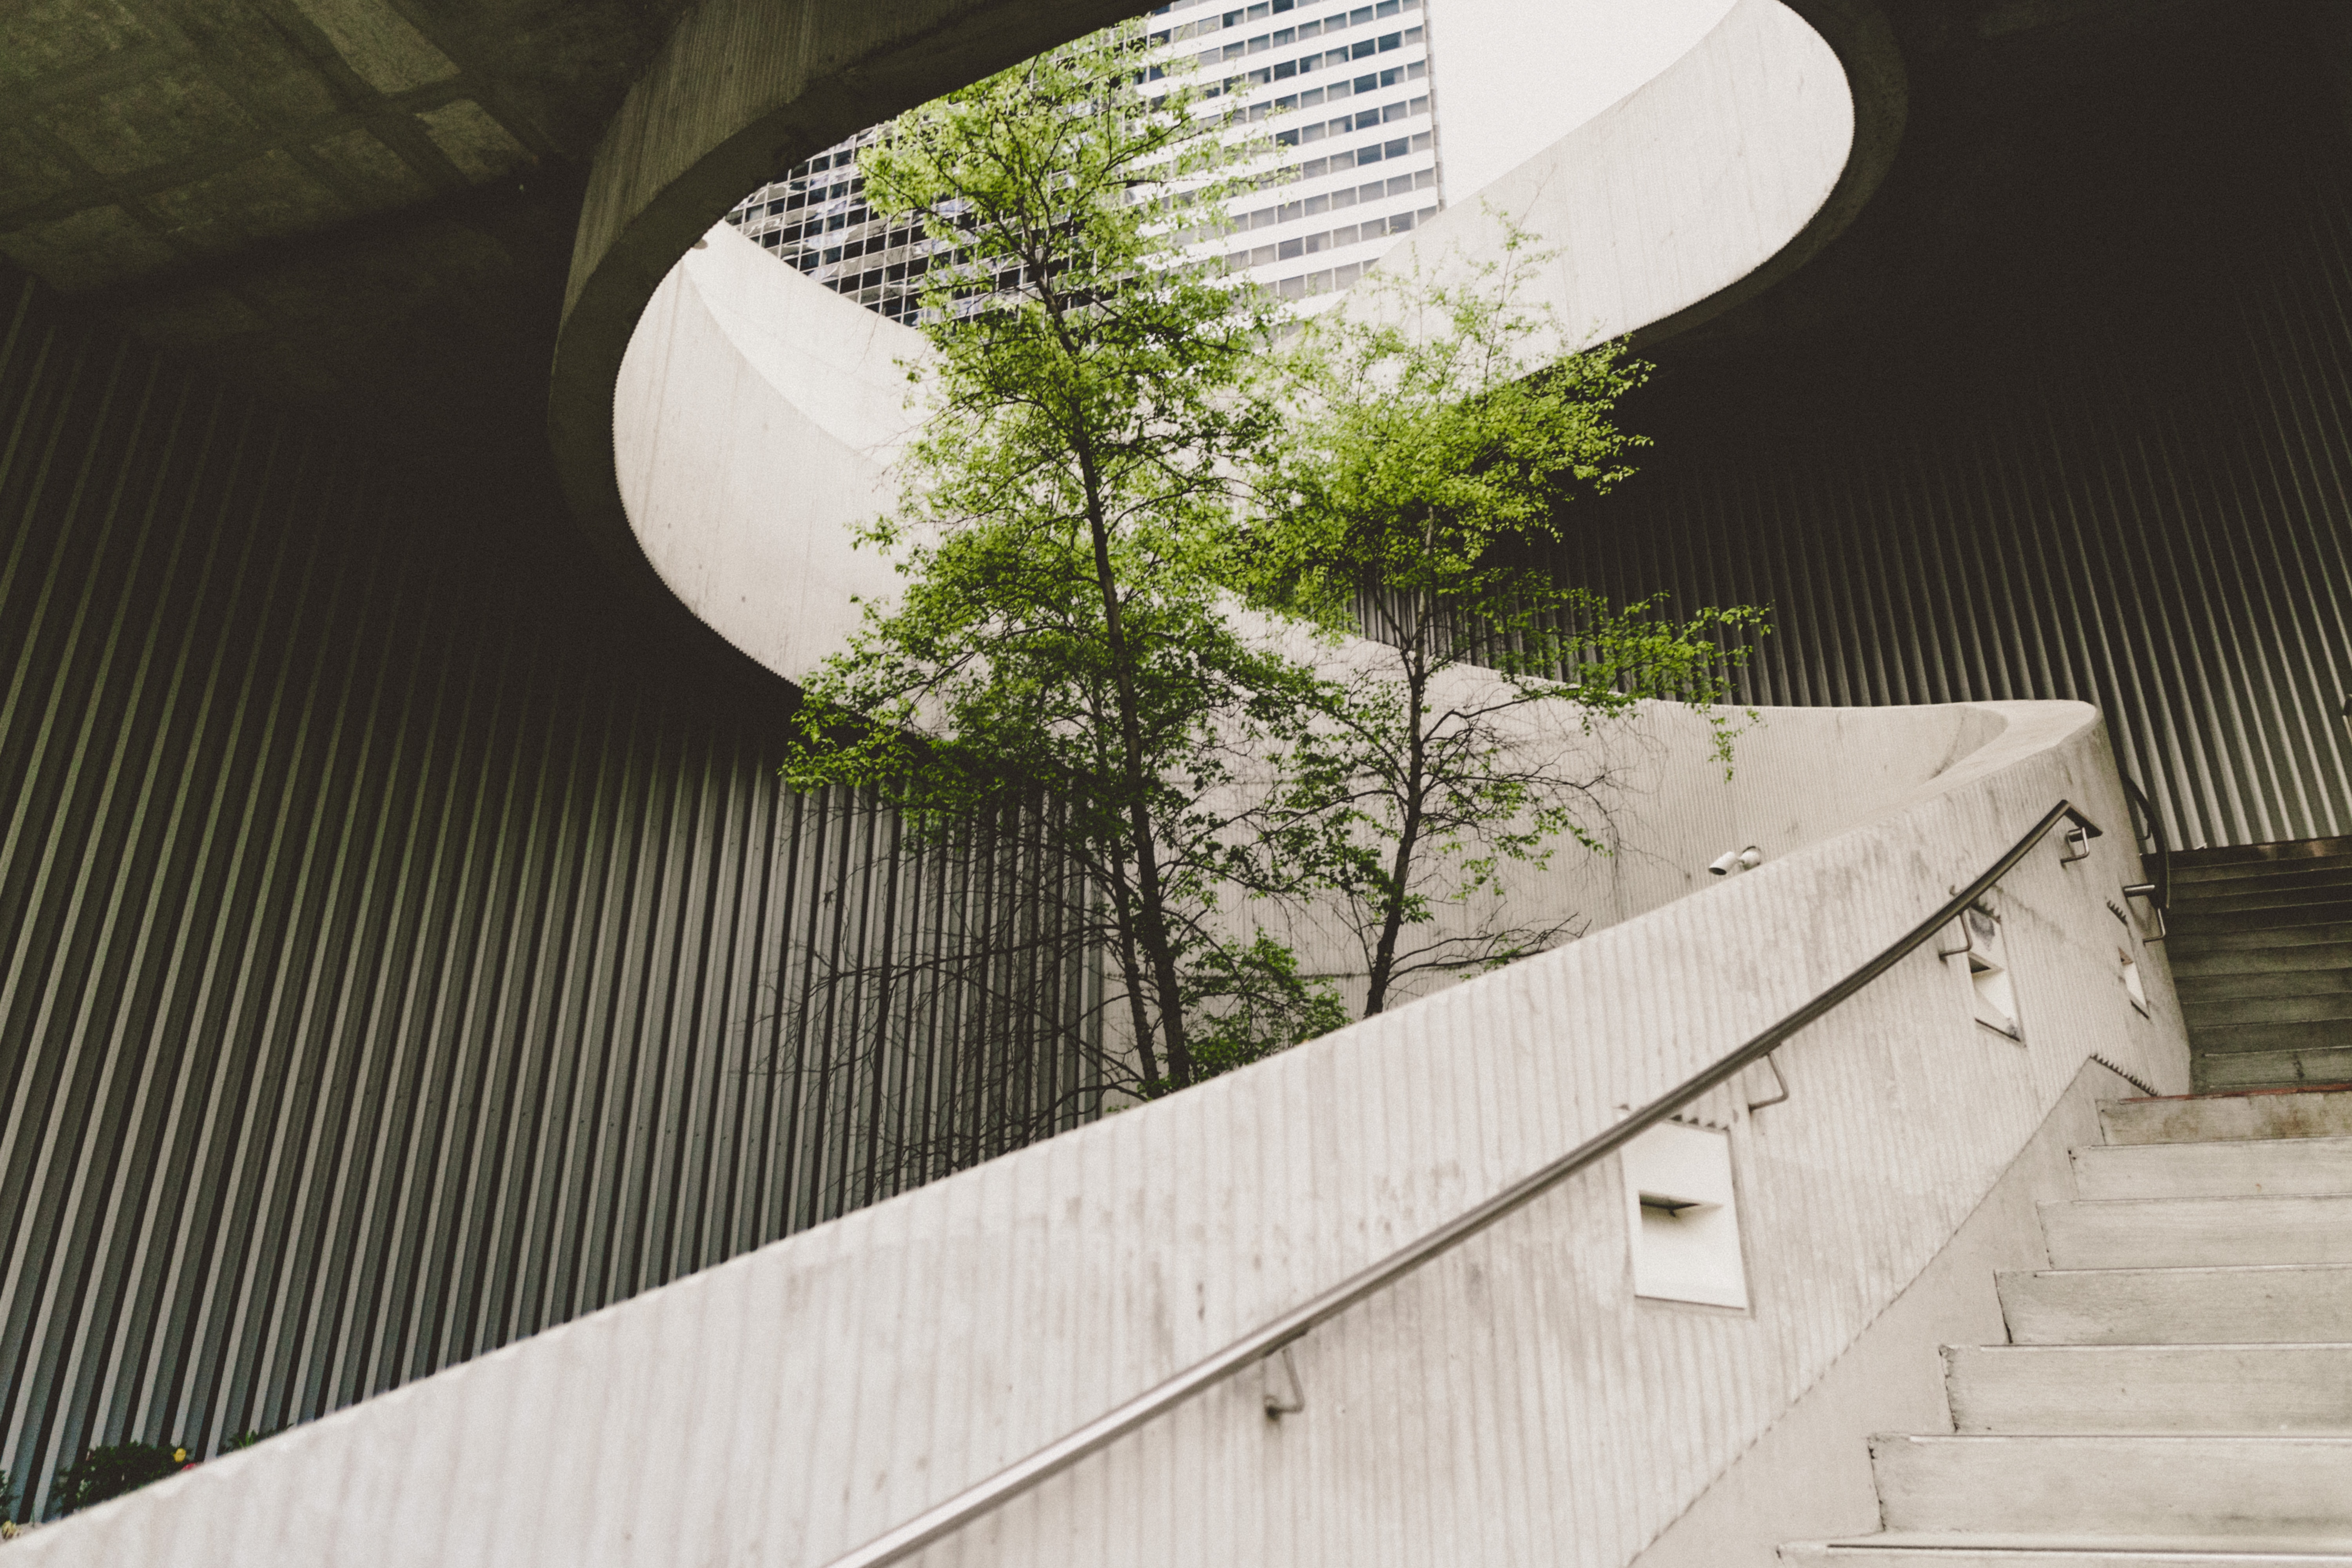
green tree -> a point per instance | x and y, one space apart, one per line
1091 395
1442 430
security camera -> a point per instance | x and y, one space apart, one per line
1731 860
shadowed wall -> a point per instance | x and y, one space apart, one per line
2067 414
389 967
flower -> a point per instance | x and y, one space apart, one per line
178 1455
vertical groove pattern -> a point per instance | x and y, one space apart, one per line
385 972
2157 521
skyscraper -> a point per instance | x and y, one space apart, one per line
1346 91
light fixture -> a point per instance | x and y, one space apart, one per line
1731 860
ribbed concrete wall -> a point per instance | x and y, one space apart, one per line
2155 517
1513 1401
387 971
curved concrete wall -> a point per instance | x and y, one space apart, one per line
1513 1401
755 411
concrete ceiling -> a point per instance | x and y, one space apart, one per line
365 203
369 206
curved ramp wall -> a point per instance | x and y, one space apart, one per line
1512 1401
755 411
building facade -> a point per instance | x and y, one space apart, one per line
1345 95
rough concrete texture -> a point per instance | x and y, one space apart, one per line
1808 1477
1510 1401
2212 1118
2276 1304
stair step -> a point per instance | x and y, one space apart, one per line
2198 1233
2276 850
2334 1006
2290 893
2271 1069
2243 1168
1911 1551
2230 985
2089 1487
2189 921
2326 1034
2198 944
2256 856
2303 1389
2236 881
2295 1304
2196 964
2210 1118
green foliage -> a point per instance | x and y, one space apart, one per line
1091 395
113 1470
1446 429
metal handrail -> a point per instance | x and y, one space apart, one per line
2158 889
961 1510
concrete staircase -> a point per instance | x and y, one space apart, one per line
2177 1391
2260 949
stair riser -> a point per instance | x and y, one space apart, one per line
1817 1556
2328 1034
2219 1070
2201 990
2335 870
2306 1390
2084 1486
2257 856
2313 1115
2160 1307
2189 921
2249 1168
2195 964
2229 899
2325 1007
2199 1233
2198 945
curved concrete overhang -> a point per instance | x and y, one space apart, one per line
742 90
1720 175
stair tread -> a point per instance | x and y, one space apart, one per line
2254 1114
1938 1550
2198 941
2277 849
2283 1387
2326 871
2256 1303
2225 1484
2219 1168
2198 966
2203 988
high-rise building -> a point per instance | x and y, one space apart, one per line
1344 90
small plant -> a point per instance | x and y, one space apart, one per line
112 1470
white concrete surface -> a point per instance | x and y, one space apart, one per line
1676 192
2264 1388
1943 1554
1514 1401
2193 1232
2243 1169
2215 1118
1808 1477
2283 1303
1515 76
2087 1488
756 411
